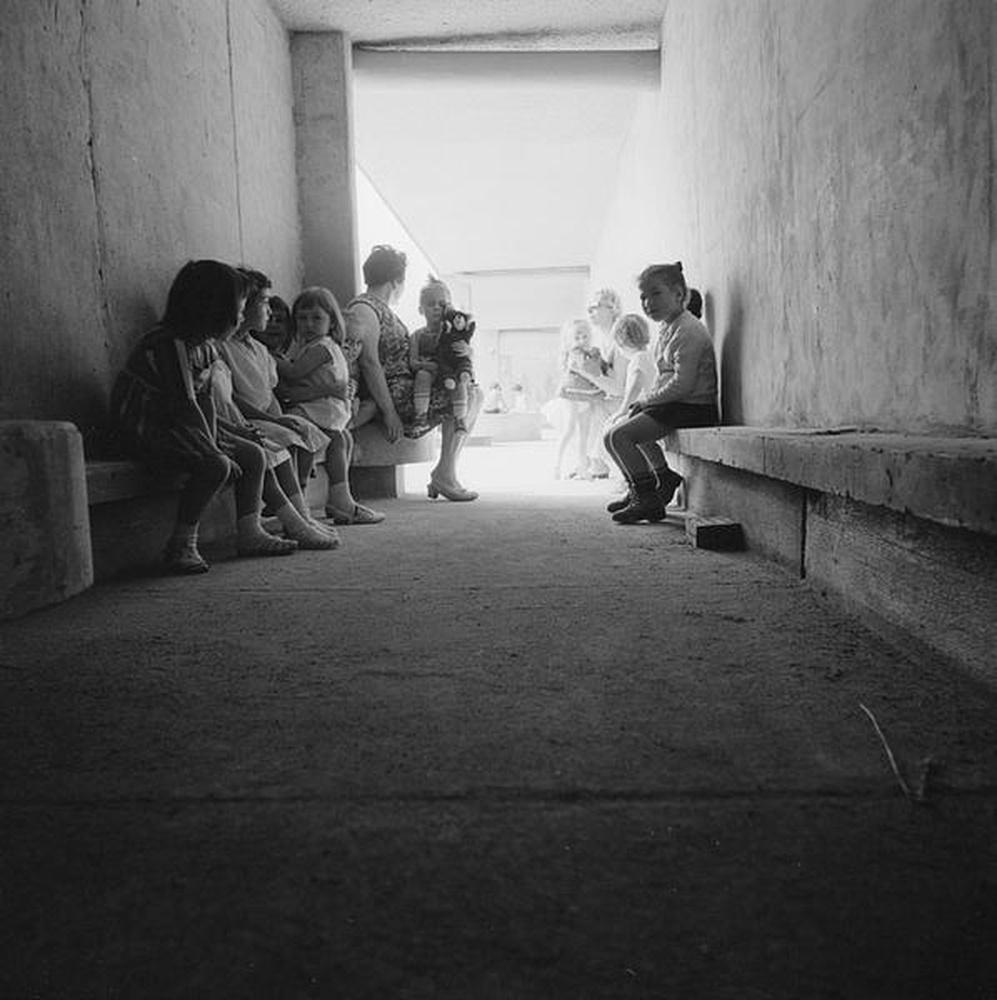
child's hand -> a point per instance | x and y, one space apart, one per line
234 471
635 408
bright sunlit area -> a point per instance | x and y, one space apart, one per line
504 174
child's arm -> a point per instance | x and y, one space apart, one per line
636 386
307 361
315 361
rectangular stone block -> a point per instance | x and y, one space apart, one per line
714 533
45 552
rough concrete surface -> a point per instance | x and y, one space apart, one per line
493 750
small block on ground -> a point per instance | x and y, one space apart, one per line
714 533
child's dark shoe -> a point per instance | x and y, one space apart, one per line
668 483
621 504
645 508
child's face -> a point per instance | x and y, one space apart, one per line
602 315
583 337
312 322
434 301
661 301
257 313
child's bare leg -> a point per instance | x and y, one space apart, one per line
283 495
251 539
458 401
584 433
339 504
421 390
304 461
205 480
570 428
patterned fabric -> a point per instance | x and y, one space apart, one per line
229 413
393 351
162 401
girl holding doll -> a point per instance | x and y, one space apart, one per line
578 395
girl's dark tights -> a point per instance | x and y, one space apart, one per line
209 475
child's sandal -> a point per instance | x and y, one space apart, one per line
267 545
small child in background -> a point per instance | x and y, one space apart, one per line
276 337
632 336
495 400
439 354
316 378
577 394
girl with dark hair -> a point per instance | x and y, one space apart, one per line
162 402
684 394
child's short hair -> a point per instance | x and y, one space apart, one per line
315 296
631 331
695 303
667 274
609 298
257 281
384 264
432 282
204 300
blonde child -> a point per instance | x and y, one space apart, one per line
577 393
632 337
163 402
433 360
316 378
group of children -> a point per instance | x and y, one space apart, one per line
636 392
199 395
232 386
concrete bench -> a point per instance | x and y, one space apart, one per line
45 549
376 469
952 481
902 526
499 428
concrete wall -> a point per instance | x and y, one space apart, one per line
136 136
323 103
827 177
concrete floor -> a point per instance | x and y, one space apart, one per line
493 750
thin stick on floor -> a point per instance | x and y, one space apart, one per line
889 753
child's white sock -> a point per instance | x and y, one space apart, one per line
185 535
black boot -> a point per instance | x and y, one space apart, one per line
645 504
667 483
624 501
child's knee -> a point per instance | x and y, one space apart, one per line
251 458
